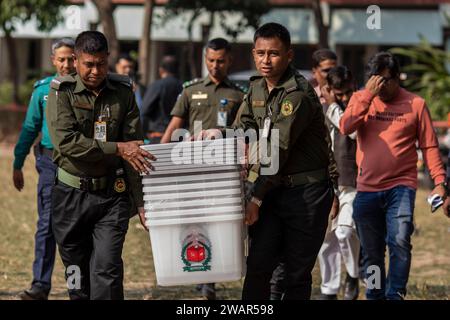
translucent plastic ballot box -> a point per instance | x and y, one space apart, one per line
194 208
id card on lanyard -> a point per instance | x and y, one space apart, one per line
267 123
100 132
222 118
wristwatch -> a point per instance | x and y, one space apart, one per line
256 201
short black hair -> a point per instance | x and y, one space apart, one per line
339 76
124 56
381 61
91 42
219 44
170 64
273 30
321 55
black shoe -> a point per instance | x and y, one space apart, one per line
34 293
327 296
351 290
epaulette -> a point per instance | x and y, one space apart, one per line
255 77
42 82
125 80
240 87
291 89
58 81
192 82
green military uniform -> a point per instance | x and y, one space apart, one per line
200 101
297 199
91 198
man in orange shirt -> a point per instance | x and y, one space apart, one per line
389 121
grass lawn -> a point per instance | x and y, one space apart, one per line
429 278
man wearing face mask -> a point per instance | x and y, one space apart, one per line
341 242
35 122
389 121
95 127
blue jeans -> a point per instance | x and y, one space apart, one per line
386 217
45 245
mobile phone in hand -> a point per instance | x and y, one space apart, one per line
435 201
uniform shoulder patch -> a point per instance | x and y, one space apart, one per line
42 82
255 77
59 81
125 80
192 82
291 89
240 87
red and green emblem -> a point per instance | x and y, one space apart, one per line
196 252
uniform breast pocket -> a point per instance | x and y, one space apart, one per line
199 108
84 120
259 114
114 123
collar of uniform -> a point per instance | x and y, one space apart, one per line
110 85
207 81
287 80
79 87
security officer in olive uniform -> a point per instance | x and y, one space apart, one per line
288 211
94 125
212 102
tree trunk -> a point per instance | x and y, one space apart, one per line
145 43
13 65
191 48
105 11
321 27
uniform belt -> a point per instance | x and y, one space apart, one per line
82 183
297 179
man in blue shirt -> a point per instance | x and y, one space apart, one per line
35 123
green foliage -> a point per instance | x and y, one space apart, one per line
250 12
428 76
25 91
46 12
5 93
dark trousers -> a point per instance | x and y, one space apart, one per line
292 224
385 218
44 243
90 229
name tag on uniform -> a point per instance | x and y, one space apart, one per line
199 96
266 128
100 131
258 103
222 118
